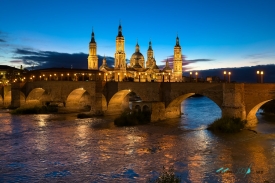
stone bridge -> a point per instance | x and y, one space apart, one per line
163 99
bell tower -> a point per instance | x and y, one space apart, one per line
120 56
92 58
177 63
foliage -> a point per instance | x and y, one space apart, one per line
269 107
84 115
133 118
227 125
89 115
36 110
167 176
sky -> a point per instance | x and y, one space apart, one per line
213 33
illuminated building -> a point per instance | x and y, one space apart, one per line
137 70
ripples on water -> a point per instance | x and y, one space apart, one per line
52 148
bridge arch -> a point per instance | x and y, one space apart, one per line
7 99
173 110
79 100
1 101
251 117
35 96
117 103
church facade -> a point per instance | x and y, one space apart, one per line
139 69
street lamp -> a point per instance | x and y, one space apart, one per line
196 77
100 76
82 76
224 73
40 78
190 77
118 77
229 74
258 76
262 76
68 77
50 77
106 76
61 76
162 76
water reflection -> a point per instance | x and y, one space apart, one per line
51 148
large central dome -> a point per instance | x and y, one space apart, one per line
137 56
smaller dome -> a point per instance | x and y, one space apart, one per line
137 55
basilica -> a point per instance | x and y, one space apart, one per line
138 70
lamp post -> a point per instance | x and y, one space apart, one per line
162 76
258 76
68 77
40 78
224 73
146 77
100 76
196 77
169 77
139 77
61 77
190 77
262 76
106 77
118 77
82 76
229 74
50 77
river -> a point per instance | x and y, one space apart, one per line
61 148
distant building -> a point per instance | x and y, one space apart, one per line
10 74
213 79
138 70
64 74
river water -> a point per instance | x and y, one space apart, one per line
61 148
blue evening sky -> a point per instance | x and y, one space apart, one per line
213 33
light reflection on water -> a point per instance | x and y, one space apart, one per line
52 148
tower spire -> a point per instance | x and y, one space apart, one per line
93 36
150 45
177 41
119 30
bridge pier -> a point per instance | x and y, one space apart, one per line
17 97
233 101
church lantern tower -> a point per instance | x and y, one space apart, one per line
177 63
92 58
120 56
150 56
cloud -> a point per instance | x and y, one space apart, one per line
49 59
260 55
200 60
185 62
16 61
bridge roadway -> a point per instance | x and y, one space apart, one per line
163 99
